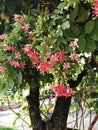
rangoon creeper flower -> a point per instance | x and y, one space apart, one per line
95 8
61 56
32 54
48 55
30 37
44 66
53 58
18 55
73 56
26 48
61 90
17 64
73 44
9 48
2 69
66 66
25 28
2 37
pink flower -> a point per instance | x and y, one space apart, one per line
61 56
36 62
48 54
66 66
30 37
26 48
18 19
16 64
2 69
73 44
33 54
18 55
61 90
53 58
2 36
44 66
11 61
22 64
9 48
73 56
26 27
95 8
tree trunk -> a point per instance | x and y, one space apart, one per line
58 121
33 103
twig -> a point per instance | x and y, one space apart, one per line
93 122
15 112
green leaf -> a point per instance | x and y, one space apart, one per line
82 43
65 25
94 34
82 15
10 83
40 48
89 26
74 13
62 5
59 32
90 45
75 30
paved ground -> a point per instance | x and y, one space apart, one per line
7 117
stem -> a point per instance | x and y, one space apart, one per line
93 122
14 111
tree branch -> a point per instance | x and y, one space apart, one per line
60 113
75 83
93 122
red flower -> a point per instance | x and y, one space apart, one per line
30 37
44 66
61 90
61 56
26 27
11 61
95 8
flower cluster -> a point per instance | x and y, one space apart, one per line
47 60
95 8
61 90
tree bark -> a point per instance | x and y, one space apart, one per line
58 121
60 113
93 122
33 104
